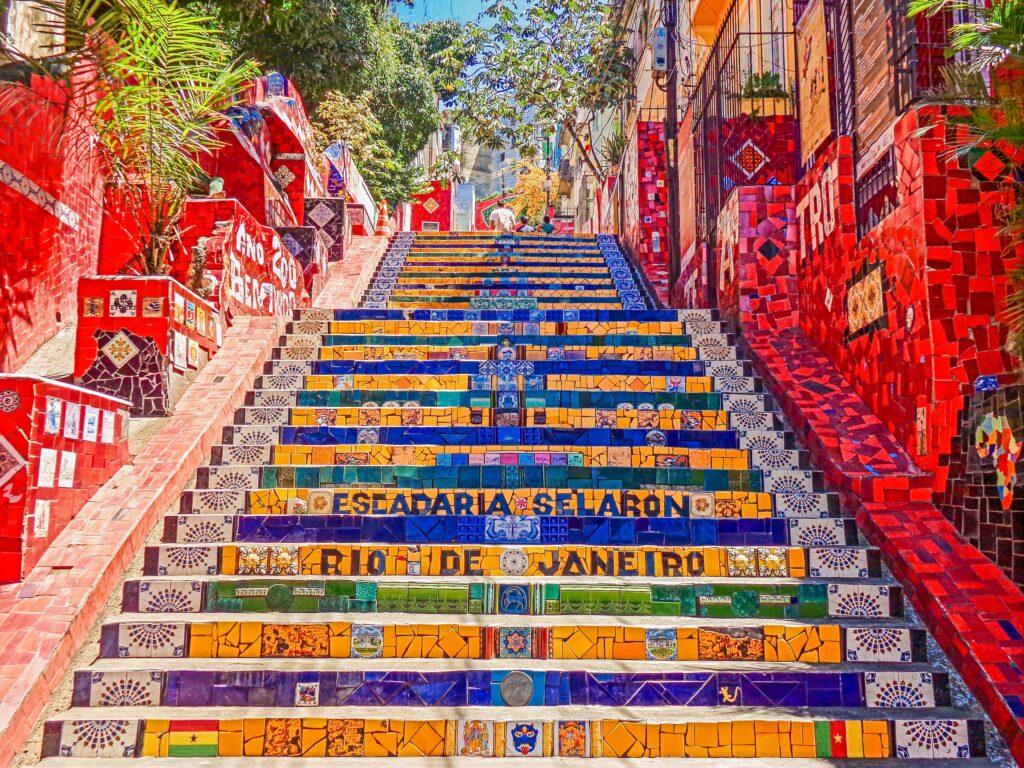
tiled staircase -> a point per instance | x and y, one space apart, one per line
507 508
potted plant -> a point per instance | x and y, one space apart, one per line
763 93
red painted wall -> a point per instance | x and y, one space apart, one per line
51 189
250 270
435 206
755 258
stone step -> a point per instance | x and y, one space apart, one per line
260 687
664 418
458 287
749 406
532 316
314 348
292 376
425 352
369 559
497 302
564 731
533 435
719 342
497 455
488 762
810 599
523 501
497 260
379 327
390 636
505 529
725 370
505 477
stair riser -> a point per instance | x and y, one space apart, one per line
292 595
245 639
549 501
901 690
497 560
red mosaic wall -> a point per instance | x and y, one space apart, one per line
248 270
58 445
652 199
50 204
756 258
434 206
135 333
757 149
906 313
974 612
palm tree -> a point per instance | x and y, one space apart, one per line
156 79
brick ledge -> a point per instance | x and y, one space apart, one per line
974 611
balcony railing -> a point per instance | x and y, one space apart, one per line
747 82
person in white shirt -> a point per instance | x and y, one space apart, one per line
502 218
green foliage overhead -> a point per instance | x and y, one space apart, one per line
320 45
449 49
402 91
346 55
553 63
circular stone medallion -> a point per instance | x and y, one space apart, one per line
516 689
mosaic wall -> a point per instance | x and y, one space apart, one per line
757 257
883 308
652 201
758 149
248 270
266 157
58 444
434 211
135 334
51 206
326 215
982 495
608 738
306 247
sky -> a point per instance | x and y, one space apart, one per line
432 10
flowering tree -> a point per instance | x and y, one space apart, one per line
530 195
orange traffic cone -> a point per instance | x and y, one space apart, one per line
383 226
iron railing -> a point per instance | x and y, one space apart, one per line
747 73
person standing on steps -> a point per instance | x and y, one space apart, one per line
502 219
547 227
524 225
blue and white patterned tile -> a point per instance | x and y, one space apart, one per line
932 739
847 562
858 600
899 690
822 532
788 480
879 644
151 640
186 561
127 688
166 596
99 738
